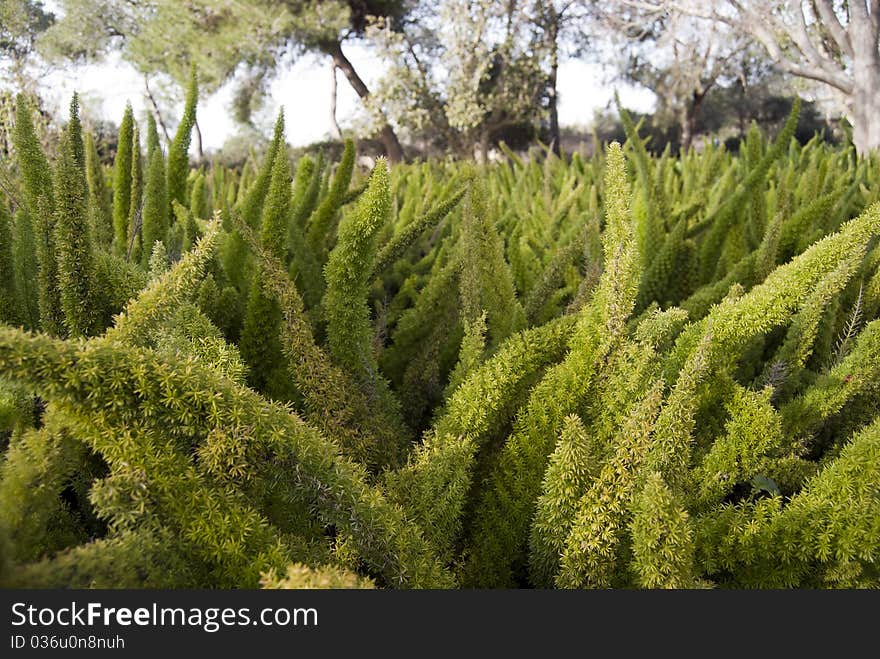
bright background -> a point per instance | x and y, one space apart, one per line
304 91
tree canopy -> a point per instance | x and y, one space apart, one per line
241 42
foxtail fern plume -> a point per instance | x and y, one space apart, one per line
198 201
40 199
260 343
333 401
135 214
10 301
235 257
591 553
75 135
299 576
616 294
435 484
303 202
122 186
100 210
662 538
142 316
155 212
76 270
350 264
322 220
256 192
153 142
24 257
308 186
35 172
395 247
571 468
486 282
178 151
208 518
348 269
825 536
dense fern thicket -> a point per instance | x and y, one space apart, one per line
627 371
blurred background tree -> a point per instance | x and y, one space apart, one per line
460 76
241 42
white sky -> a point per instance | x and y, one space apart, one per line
304 91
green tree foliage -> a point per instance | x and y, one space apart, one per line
21 23
232 44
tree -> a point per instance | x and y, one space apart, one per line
696 61
244 42
21 22
834 43
467 70
681 58
561 22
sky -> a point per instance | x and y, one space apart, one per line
304 91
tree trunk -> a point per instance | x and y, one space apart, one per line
483 154
687 128
689 115
864 104
866 122
389 139
199 148
864 101
551 83
156 110
335 131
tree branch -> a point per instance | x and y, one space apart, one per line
759 24
858 11
864 22
156 109
801 38
826 12
875 15
335 131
